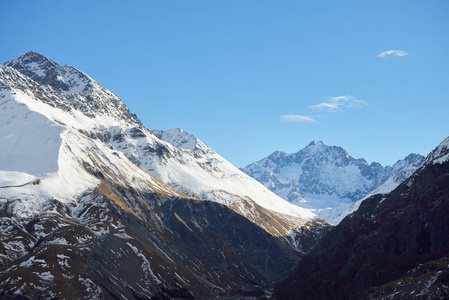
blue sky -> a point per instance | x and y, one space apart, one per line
252 77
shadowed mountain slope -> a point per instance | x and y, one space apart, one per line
395 246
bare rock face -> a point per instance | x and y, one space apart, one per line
395 246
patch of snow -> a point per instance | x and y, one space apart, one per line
11 178
91 288
29 142
146 267
75 80
123 235
58 241
336 214
47 276
32 260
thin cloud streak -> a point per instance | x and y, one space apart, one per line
326 107
336 104
393 52
297 118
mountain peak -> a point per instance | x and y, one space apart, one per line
315 143
177 130
327 176
413 157
34 56
315 147
32 53
32 64
71 88
65 79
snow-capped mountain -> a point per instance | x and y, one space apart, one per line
226 179
395 246
199 172
81 93
402 170
84 184
322 177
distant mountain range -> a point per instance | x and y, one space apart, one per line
327 179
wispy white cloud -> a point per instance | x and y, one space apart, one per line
393 52
327 107
336 104
297 118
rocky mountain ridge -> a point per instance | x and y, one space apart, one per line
107 191
183 140
110 120
322 177
79 91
